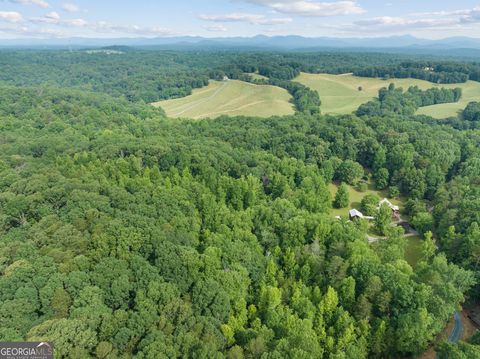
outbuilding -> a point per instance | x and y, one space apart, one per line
355 214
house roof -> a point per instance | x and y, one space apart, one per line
389 204
355 213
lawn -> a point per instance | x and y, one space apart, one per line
233 98
356 197
340 94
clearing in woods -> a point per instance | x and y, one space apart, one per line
340 94
256 76
233 98
356 197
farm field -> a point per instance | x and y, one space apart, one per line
233 98
340 93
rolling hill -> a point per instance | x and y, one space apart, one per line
341 94
233 98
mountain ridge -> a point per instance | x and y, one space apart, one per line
287 42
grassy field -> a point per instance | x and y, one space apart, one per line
340 93
256 76
233 98
356 197
470 92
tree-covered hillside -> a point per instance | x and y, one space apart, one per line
126 234
153 75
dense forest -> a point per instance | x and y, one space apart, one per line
472 112
128 234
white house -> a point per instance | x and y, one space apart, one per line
389 204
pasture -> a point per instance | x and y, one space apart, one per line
233 98
343 94
470 92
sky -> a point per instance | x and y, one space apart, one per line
432 19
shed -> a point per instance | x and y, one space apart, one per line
355 214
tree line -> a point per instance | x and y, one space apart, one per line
395 100
442 72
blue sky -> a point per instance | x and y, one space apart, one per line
215 18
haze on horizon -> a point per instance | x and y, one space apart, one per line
221 18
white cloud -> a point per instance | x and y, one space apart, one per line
40 3
59 31
107 28
31 32
53 18
10 16
387 21
464 12
472 15
253 19
75 22
311 8
216 28
47 19
69 7
433 20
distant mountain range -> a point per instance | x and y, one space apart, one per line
261 42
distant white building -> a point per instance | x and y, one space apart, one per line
225 78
